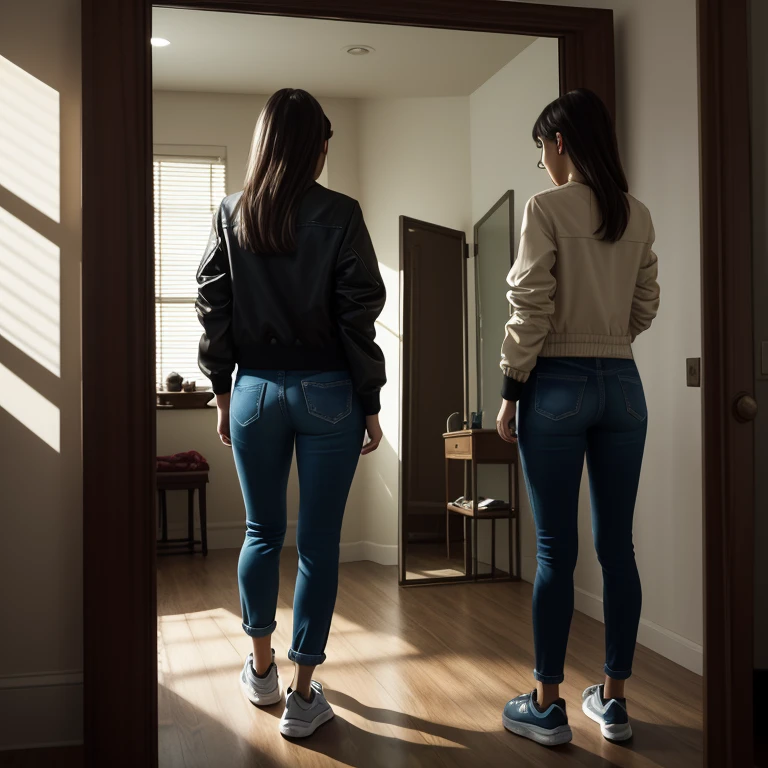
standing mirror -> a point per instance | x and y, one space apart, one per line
494 254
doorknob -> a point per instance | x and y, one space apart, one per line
745 407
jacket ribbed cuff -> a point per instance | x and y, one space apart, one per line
511 389
221 383
371 403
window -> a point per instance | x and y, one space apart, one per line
187 192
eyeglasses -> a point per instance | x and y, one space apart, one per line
540 164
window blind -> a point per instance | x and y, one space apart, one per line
187 192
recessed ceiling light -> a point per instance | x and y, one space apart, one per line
359 50
159 42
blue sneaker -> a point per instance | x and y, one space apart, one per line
611 714
523 717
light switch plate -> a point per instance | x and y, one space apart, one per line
693 371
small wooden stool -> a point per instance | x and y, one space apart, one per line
190 482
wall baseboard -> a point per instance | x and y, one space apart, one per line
354 551
229 535
41 710
669 644
528 568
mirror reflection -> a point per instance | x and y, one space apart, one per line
416 164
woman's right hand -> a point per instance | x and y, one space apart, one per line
505 421
373 428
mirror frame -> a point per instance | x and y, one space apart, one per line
509 195
118 314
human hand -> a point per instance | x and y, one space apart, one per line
222 406
505 421
373 428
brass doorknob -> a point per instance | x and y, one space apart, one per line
746 407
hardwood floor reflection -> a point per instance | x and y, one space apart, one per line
417 677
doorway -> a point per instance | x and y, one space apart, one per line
117 303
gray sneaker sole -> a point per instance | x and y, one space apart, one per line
300 729
549 737
622 732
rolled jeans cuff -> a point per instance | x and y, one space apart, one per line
259 631
617 675
306 659
549 679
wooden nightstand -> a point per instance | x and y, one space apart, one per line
475 447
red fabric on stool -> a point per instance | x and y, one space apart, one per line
188 461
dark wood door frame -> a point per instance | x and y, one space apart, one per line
118 317
727 359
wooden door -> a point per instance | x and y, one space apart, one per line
434 371
728 379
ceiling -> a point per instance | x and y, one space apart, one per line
246 53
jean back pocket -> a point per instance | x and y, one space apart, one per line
634 396
329 401
558 397
247 401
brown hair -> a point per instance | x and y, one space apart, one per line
289 137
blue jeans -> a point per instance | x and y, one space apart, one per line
571 408
319 412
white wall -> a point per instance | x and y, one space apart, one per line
502 112
226 120
414 161
657 105
41 472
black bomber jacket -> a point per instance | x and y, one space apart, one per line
313 309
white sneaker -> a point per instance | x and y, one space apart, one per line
302 718
610 714
261 691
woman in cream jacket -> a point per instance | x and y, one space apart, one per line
582 288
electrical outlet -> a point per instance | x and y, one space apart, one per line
693 371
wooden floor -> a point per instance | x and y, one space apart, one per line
429 561
417 677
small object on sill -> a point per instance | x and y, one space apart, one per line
184 400
173 382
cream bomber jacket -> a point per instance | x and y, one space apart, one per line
572 294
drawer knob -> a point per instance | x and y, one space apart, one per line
456 446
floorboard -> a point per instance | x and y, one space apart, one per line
417 677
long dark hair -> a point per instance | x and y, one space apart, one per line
287 143
589 137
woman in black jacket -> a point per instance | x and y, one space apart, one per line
289 291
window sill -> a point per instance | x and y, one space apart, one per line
159 407
183 401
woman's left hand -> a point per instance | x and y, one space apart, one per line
506 415
222 405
